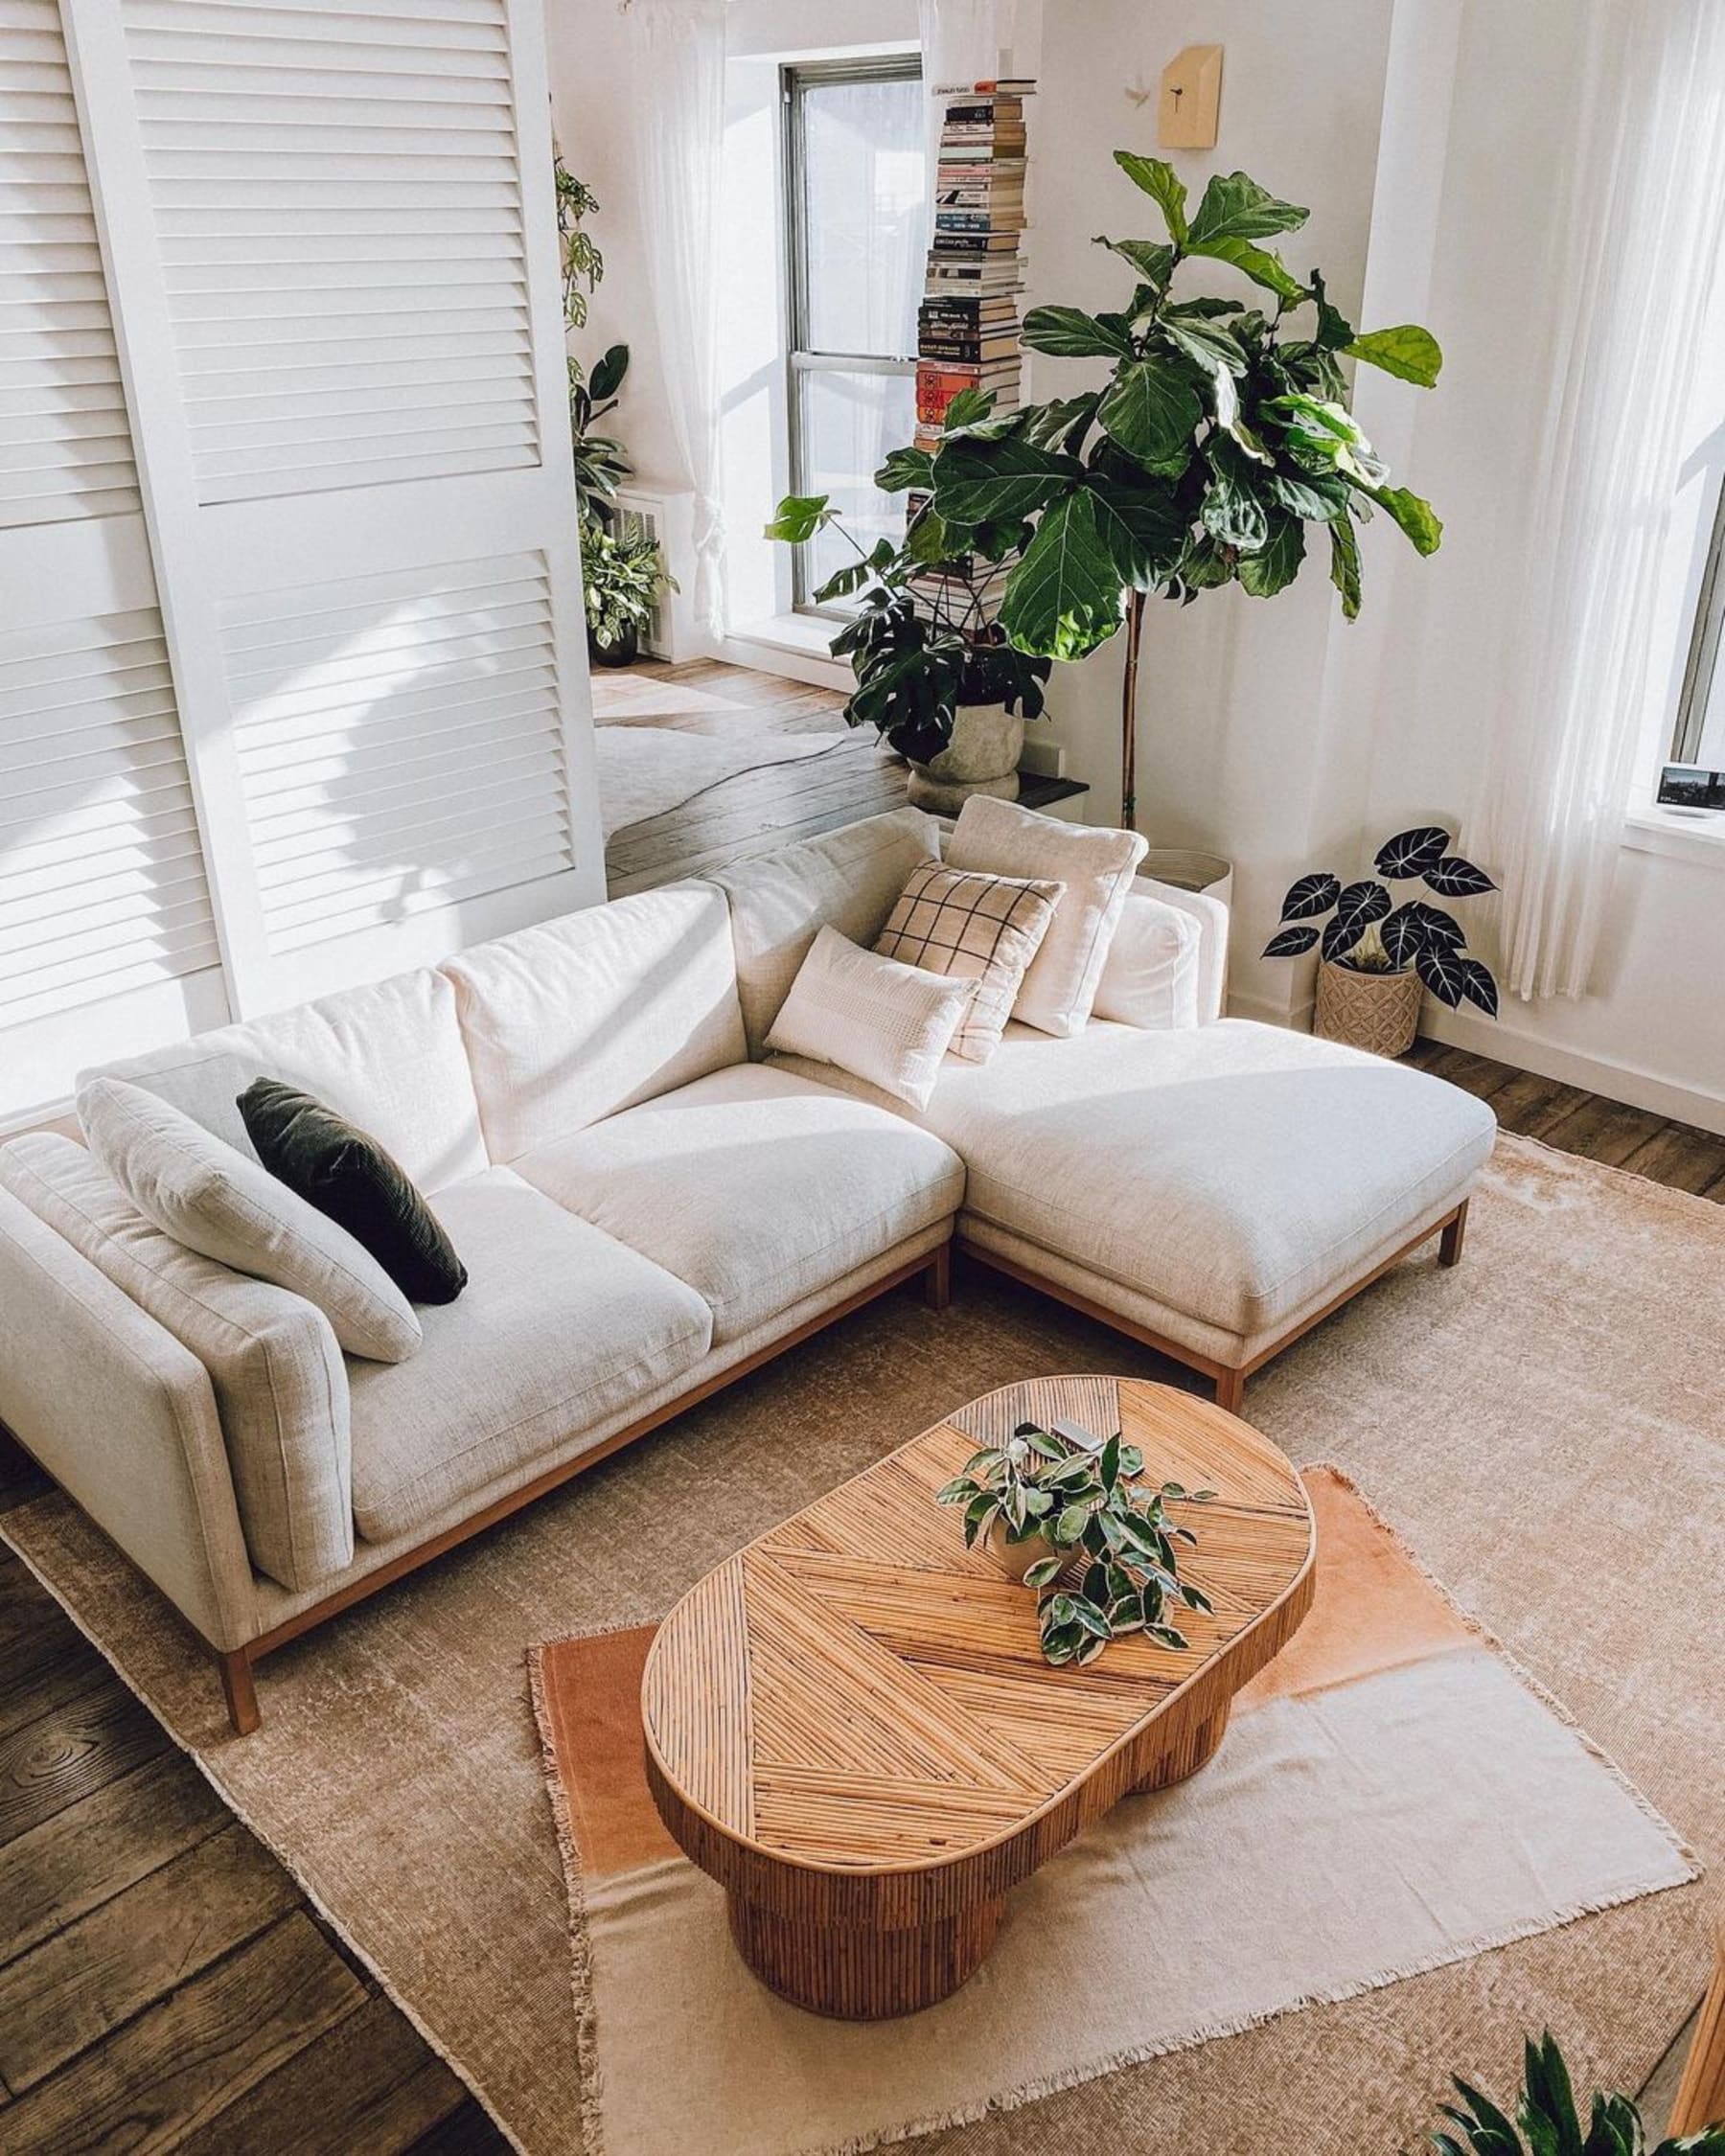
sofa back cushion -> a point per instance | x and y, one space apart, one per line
845 879
387 1056
573 1019
279 1383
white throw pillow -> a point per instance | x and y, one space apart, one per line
195 1187
1096 867
879 1019
975 927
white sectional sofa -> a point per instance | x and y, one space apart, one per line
647 1210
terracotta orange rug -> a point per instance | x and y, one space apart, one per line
1393 1796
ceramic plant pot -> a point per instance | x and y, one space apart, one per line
622 650
982 757
1379 1012
1018 1557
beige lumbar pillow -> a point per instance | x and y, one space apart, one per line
971 927
880 1020
198 1188
1096 867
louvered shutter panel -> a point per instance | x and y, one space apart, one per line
334 237
107 933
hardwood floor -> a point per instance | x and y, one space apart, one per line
757 810
164 1984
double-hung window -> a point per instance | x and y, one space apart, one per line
855 188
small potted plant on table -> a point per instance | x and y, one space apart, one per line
1378 958
935 674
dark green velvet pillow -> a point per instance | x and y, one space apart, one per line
350 1178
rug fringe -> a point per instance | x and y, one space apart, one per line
403 2005
581 1951
1642 1187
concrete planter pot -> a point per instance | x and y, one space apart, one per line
982 757
1018 1557
1379 1012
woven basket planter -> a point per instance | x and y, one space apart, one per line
1379 1012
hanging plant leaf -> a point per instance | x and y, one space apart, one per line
1444 972
1311 896
1290 943
1455 878
1479 986
1358 907
1411 853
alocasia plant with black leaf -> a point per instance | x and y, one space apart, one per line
1364 929
1221 433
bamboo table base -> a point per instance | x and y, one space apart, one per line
850 1725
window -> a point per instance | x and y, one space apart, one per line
1700 737
856 182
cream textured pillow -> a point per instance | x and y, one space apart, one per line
195 1187
1095 867
871 1015
971 926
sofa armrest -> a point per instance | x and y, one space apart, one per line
124 1418
1165 965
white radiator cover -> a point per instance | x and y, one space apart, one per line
669 519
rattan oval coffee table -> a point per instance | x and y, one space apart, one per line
850 1725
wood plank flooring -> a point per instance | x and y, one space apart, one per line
162 1984
758 810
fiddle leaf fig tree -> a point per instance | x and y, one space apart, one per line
1220 440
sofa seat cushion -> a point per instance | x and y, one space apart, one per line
1231 1172
559 1327
755 1187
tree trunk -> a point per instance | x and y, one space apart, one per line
1135 631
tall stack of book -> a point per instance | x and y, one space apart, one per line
968 325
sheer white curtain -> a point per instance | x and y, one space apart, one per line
678 48
1641 223
962 42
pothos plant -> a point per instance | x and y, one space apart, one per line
1368 932
601 462
1221 434
1085 1497
917 657
1547 2122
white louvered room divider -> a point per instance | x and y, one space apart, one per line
344 726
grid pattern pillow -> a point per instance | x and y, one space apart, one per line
880 1020
971 926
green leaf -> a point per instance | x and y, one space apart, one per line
1230 510
1416 518
960 1491
1236 207
1260 264
1313 496
983 482
1408 352
1151 409
799 517
1143 531
1334 329
1276 562
1043 1572
969 408
1063 599
1153 261
1163 184
904 469
1071 1522
1213 347
1344 565
1070 333
1111 1463
1085 1613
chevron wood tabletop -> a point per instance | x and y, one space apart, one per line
851 1726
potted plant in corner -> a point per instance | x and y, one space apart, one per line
1221 434
624 580
1379 958
935 674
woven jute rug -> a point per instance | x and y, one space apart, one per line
1545 1426
1391 1797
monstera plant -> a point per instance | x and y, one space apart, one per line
1220 438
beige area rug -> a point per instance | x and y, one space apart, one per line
1315 1858
646 770
1544 1425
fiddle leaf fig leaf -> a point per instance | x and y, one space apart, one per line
1153 261
1143 533
1150 409
1236 207
1063 600
904 469
1408 352
1163 184
1308 494
988 482
1069 332
1416 518
1335 331
1276 562
1259 264
1344 565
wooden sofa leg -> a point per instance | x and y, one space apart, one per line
238 1690
1701 2095
1454 1233
1231 1390
937 1279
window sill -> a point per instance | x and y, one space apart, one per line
1695 835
